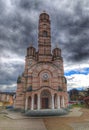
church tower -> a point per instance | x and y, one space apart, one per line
42 84
44 38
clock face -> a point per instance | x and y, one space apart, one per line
45 76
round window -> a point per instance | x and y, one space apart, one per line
45 76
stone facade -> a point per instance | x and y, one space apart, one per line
42 85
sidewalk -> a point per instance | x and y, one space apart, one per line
27 124
75 112
16 121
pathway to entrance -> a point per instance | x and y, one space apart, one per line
15 121
77 119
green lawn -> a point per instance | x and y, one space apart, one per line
79 105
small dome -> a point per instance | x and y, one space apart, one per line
44 15
31 51
56 54
58 49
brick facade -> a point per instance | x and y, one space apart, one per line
42 85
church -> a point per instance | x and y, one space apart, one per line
42 84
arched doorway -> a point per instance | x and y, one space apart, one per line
29 102
55 100
61 103
45 99
35 101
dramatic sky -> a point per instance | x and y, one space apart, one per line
69 29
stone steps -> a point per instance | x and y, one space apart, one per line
46 112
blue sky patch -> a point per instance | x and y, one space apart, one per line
84 71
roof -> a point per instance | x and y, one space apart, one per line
86 98
10 93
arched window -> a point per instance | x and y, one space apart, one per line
55 100
44 33
35 101
29 102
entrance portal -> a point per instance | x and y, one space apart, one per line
45 99
45 103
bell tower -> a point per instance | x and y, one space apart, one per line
44 38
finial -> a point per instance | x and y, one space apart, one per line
56 45
31 45
44 11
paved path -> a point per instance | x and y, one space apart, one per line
16 116
16 121
75 112
80 126
24 124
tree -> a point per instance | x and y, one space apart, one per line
74 93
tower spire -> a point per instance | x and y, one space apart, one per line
44 37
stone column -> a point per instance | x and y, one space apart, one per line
63 103
58 102
32 103
38 107
26 104
52 101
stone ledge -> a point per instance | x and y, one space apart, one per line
46 112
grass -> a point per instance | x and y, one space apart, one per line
79 105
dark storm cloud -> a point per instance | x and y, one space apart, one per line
30 5
9 73
75 29
2 7
16 33
78 40
19 28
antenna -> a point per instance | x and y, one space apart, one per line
44 11
31 45
57 45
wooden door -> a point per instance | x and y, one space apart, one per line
45 103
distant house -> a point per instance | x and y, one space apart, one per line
7 98
86 100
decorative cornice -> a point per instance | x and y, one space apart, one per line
45 87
